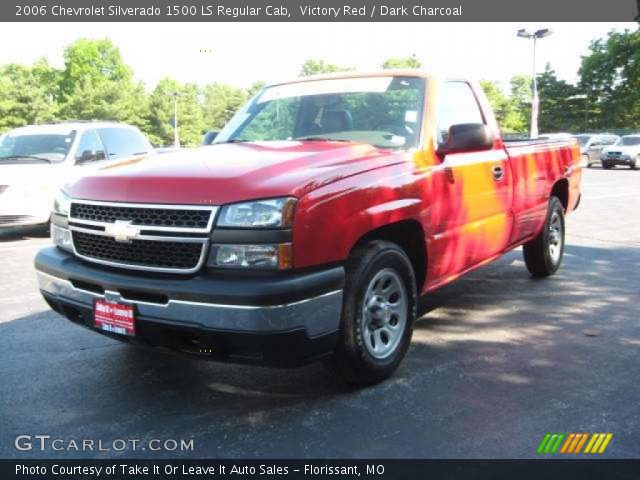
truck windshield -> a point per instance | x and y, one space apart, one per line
47 147
629 141
381 111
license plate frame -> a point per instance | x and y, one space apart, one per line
114 317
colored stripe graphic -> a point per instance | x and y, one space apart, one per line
550 443
543 443
598 442
554 449
574 443
565 447
581 442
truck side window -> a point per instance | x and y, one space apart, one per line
90 148
457 105
123 142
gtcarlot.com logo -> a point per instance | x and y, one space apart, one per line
56 444
575 443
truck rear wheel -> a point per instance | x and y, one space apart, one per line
378 312
543 254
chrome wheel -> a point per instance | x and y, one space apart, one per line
556 237
384 313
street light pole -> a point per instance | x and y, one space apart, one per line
535 100
176 135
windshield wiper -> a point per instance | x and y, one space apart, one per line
30 157
233 140
322 139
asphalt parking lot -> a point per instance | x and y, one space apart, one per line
498 360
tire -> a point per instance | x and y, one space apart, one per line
606 165
585 160
543 254
379 277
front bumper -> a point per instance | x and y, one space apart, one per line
618 160
283 319
17 210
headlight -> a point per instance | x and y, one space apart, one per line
274 213
62 204
60 234
263 257
61 237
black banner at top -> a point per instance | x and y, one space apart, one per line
318 10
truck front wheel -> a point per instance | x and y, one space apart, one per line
378 312
543 254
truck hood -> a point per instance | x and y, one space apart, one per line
624 149
227 173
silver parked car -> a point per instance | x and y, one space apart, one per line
591 145
626 152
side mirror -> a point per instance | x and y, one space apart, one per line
209 137
467 137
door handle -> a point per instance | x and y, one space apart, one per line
498 173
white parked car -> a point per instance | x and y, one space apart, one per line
626 151
35 161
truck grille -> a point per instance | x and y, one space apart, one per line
141 253
158 238
145 216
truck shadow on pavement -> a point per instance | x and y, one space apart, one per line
15 234
496 346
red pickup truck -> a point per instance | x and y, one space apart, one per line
311 225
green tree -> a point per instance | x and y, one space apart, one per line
191 124
315 67
96 84
511 109
221 102
610 80
496 97
517 113
94 60
402 62
255 88
27 94
561 106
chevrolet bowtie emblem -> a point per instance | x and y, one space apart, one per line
122 230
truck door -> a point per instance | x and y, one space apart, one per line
474 221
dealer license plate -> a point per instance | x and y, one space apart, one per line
114 317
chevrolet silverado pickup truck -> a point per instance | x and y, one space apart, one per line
310 227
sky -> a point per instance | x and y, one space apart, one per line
242 53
